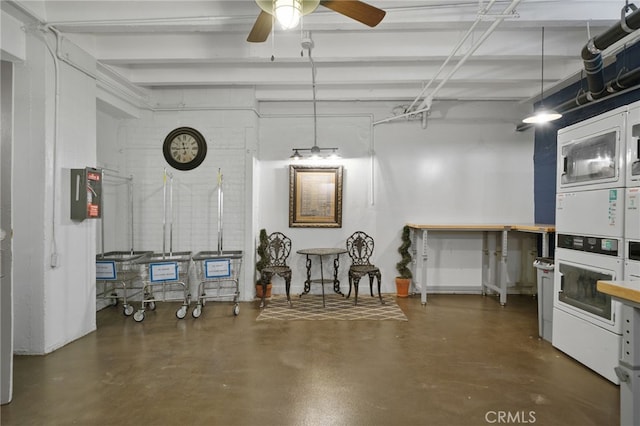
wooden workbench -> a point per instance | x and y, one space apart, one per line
490 281
628 370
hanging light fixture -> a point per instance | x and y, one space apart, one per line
288 13
315 150
542 115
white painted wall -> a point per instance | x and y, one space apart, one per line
467 166
133 147
54 300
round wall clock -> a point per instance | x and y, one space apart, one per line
184 148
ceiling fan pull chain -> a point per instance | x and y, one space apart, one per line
273 38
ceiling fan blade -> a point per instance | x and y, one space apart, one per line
261 29
360 11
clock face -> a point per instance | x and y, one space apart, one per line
184 148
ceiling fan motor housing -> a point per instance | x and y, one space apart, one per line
308 6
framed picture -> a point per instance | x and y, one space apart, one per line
315 197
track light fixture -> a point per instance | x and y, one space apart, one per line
316 153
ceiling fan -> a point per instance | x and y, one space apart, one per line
358 10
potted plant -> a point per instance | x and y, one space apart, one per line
263 261
403 280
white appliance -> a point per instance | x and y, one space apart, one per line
597 212
632 213
592 154
590 231
586 323
633 145
632 260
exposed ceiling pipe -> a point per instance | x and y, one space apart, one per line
453 52
623 83
592 51
620 83
597 89
477 44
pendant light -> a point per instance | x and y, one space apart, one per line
315 150
542 115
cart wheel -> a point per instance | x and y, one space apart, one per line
236 309
114 299
196 312
182 312
139 316
152 305
128 310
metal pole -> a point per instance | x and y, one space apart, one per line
171 215
102 231
220 211
131 212
164 211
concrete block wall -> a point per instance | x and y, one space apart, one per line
192 223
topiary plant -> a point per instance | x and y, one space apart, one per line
263 256
405 256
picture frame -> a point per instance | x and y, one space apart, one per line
315 196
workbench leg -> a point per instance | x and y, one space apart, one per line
545 244
503 269
628 370
423 268
486 263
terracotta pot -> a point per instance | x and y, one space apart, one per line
402 286
259 290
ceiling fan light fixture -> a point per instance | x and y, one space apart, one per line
288 13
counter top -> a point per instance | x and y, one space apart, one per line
535 227
624 290
459 227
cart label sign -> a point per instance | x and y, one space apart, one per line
166 271
105 270
219 268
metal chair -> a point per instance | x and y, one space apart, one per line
360 248
278 249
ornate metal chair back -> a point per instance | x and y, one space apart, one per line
360 248
278 248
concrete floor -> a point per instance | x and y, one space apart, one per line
462 360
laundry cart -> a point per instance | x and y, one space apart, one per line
119 273
165 279
218 273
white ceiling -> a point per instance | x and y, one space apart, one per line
203 44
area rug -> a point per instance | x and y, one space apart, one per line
337 308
